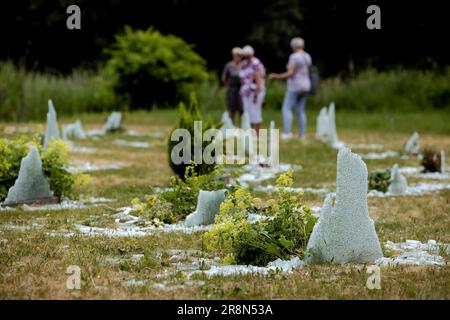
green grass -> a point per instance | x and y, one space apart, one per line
33 264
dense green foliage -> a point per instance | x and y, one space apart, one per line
24 95
379 180
283 230
54 161
187 117
149 68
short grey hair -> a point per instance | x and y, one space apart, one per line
248 50
297 43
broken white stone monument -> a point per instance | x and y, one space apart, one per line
326 127
208 205
227 126
31 185
443 161
51 130
322 125
113 123
398 183
73 130
412 146
345 232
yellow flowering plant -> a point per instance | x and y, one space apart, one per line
283 229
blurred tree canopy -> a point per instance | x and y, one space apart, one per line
34 33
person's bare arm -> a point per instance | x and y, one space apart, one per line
288 74
224 77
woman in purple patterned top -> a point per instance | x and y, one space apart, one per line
253 88
298 85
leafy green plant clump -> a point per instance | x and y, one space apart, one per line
54 159
188 116
379 180
282 231
150 69
179 200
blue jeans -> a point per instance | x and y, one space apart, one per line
298 99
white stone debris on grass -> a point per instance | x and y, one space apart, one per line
134 282
285 266
31 183
417 172
166 287
379 155
326 127
132 144
21 227
272 188
410 170
365 146
412 147
79 149
91 167
130 230
413 190
413 252
397 184
345 232
208 205
255 173
434 175
73 130
110 232
51 129
152 134
67 204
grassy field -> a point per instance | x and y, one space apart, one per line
33 264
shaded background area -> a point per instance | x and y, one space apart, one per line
34 32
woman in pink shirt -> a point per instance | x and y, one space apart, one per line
253 89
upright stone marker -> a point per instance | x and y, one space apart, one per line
412 146
31 185
208 205
345 232
113 123
51 129
398 183
74 130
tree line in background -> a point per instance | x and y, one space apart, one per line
130 55
34 32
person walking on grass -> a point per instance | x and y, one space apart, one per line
298 86
252 87
232 81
